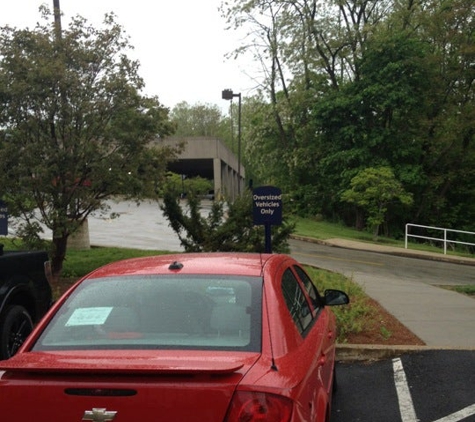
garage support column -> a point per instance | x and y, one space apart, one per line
226 180
218 181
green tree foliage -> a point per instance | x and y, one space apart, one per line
447 196
374 121
351 85
200 120
373 190
260 146
183 185
75 128
228 227
307 49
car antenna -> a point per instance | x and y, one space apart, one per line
273 365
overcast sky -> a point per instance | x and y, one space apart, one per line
180 44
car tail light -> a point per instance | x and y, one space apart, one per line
248 406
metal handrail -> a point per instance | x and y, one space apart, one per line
444 240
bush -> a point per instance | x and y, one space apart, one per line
229 227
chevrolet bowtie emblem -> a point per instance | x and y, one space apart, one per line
99 415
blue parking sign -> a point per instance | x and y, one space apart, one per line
267 210
267 205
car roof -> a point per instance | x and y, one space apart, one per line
243 264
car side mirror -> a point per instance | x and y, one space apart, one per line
335 297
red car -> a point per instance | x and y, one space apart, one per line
180 338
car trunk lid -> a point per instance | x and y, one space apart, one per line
77 386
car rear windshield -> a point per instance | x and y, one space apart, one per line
159 312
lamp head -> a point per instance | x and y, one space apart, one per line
227 94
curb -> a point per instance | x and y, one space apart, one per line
388 250
369 352
372 352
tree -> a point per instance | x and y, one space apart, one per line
446 199
308 50
199 120
374 190
349 85
375 120
76 129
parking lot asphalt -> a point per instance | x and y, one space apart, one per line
145 227
427 386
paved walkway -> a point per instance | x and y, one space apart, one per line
441 318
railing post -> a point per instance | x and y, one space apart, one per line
445 241
405 240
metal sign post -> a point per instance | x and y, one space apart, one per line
3 219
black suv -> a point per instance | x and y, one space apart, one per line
25 296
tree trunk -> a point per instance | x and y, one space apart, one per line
359 220
375 232
58 256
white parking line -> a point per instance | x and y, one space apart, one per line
406 407
460 415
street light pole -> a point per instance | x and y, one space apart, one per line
57 18
228 94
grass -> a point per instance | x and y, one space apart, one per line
468 290
324 230
352 318
81 262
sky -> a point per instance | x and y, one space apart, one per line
180 44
